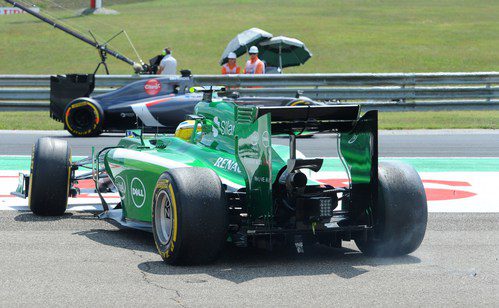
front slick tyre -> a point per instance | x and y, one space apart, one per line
189 216
401 214
49 179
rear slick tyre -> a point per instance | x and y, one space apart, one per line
189 216
401 214
83 118
49 180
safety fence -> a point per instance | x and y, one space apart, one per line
391 91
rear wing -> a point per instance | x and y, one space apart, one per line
65 88
298 119
358 150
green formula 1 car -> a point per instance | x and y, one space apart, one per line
223 180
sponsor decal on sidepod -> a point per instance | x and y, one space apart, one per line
152 87
119 182
226 128
227 164
138 192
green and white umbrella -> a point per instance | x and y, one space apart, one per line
243 41
282 51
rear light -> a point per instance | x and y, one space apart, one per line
314 208
326 207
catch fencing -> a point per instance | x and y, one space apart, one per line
390 91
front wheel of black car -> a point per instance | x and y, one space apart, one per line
83 118
189 216
401 213
49 180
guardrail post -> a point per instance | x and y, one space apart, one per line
488 86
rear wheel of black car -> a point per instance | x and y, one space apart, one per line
83 118
401 214
189 216
302 102
49 180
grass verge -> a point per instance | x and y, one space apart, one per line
459 119
28 120
487 119
343 35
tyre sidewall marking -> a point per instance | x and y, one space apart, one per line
174 202
166 251
300 103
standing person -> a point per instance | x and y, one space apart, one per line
168 65
254 65
231 66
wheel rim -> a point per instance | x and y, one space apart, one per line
163 217
82 119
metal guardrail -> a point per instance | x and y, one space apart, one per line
478 90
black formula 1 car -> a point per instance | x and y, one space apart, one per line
153 105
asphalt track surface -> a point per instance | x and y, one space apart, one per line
78 260
418 143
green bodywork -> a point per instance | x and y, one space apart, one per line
232 142
359 151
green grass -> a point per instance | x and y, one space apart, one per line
32 120
439 119
344 36
40 120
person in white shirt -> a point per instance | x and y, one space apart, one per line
168 65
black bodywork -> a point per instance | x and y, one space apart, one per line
157 104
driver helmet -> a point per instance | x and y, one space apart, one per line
184 129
